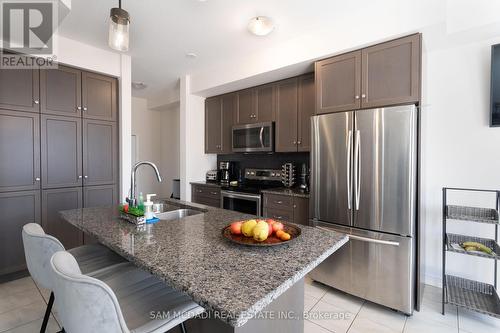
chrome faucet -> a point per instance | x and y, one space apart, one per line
132 200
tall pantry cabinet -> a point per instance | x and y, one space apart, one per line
58 151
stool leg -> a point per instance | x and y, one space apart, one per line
47 313
183 328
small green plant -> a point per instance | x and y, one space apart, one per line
136 211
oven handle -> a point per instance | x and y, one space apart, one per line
228 194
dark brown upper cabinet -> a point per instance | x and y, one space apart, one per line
338 83
100 154
307 102
61 91
54 201
246 106
100 196
18 209
19 89
19 151
99 100
213 125
286 115
265 102
229 107
380 75
295 100
61 147
391 72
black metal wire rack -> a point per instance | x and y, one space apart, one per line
472 295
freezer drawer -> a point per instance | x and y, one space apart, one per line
374 266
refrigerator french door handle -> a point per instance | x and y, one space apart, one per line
357 166
349 161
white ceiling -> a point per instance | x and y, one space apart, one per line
163 31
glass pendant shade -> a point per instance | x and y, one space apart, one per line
119 25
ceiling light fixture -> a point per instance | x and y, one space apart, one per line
119 25
261 26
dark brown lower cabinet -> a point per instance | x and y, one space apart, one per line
98 196
205 195
286 208
18 209
54 201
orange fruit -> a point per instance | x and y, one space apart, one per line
279 233
284 236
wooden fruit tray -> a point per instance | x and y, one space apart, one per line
272 240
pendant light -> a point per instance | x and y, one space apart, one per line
119 25
261 25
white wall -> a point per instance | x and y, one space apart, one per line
170 145
194 162
157 139
459 148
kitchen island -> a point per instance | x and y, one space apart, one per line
243 289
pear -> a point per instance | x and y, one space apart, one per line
261 231
247 227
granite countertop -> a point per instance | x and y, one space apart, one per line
294 192
191 255
205 183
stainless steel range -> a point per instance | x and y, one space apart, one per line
247 197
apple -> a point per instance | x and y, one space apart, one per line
277 226
270 221
236 228
270 225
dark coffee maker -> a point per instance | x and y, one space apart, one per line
226 170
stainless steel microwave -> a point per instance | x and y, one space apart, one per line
253 138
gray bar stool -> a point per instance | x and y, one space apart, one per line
39 248
130 300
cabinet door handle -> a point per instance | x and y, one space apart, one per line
84 109
79 177
85 177
363 96
294 142
36 101
214 193
37 179
299 142
356 97
278 217
199 191
279 202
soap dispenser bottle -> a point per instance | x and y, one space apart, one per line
140 202
148 207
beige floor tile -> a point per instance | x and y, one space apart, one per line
432 294
34 326
16 286
315 289
310 327
365 325
309 302
22 315
473 322
331 317
22 298
382 315
342 300
431 312
421 326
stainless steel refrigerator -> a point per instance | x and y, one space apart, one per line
364 183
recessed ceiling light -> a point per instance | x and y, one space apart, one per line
138 85
191 55
261 25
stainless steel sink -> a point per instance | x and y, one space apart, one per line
163 207
177 214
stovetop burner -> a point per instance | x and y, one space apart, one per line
252 187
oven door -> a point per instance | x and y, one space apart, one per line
253 138
241 202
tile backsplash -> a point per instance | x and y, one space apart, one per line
265 161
